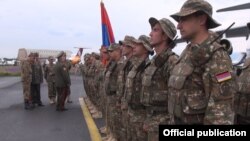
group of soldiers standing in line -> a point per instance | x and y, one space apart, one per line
137 94
56 75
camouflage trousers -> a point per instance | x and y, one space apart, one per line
242 120
135 124
27 91
117 124
110 116
124 124
153 120
51 90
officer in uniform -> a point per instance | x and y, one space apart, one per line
201 84
49 76
62 80
26 78
154 95
242 101
136 110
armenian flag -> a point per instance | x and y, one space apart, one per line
107 32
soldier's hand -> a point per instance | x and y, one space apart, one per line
145 127
124 106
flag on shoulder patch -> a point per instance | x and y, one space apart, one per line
223 76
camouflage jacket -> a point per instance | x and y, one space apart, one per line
242 100
111 76
49 73
122 75
134 83
155 79
26 71
202 82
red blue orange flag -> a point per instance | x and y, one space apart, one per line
107 32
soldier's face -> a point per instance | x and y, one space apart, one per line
157 35
126 50
104 54
138 50
31 58
63 58
188 26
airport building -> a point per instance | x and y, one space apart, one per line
43 53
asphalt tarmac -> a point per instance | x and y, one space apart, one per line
42 123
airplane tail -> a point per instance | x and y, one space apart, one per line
79 53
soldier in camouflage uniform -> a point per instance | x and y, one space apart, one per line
154 95
111 77
37 79
85 69
92 84
127 52
49 75
96 86
104 56
69 66
201 83
26 78
136 110
242 97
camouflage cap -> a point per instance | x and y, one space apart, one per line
113 47
145 40
193 6
60 54
31 55
127 40
50 58
36 54
167 26
86 56
95 55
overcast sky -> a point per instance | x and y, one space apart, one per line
64 24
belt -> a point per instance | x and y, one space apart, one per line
136 106
154 110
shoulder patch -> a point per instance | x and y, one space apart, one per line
221 77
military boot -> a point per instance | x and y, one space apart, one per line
26 105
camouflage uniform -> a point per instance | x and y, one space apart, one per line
242 97
136 110
201 83
69 65
154 94
26 77
91 81
111 77
37 79
85 69
49 75
122 75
